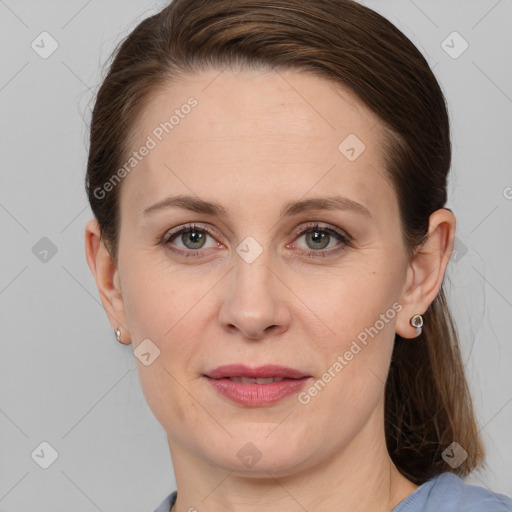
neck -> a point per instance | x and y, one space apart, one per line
360 476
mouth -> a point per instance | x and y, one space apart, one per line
260 380
256 387
260 375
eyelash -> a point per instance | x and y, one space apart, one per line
344 238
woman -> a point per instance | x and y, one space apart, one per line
268 181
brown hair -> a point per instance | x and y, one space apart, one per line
427 399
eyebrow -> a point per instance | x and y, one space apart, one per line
196 204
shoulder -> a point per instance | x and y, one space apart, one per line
443 493
167 503
448 493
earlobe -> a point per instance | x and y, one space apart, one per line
426 272
106 276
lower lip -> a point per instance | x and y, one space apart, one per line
257 395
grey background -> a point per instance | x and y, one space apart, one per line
63 377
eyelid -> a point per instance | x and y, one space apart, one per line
322 226
189 227
341 235
175 232
345 241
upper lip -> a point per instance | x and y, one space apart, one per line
240 370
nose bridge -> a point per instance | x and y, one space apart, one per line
252 302
253 279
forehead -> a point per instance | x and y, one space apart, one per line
219 131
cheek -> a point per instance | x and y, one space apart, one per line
344 302
354 332
355 363
157 298
166 308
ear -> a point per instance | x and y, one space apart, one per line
426 271
107 278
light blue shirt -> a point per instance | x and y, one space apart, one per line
443 493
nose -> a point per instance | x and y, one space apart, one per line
254 304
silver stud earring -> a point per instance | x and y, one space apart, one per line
117 332
417 321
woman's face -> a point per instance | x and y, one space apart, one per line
257 282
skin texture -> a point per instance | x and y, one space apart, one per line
255 141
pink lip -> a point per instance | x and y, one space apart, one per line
256 395
240 370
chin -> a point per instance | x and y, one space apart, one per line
261 457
